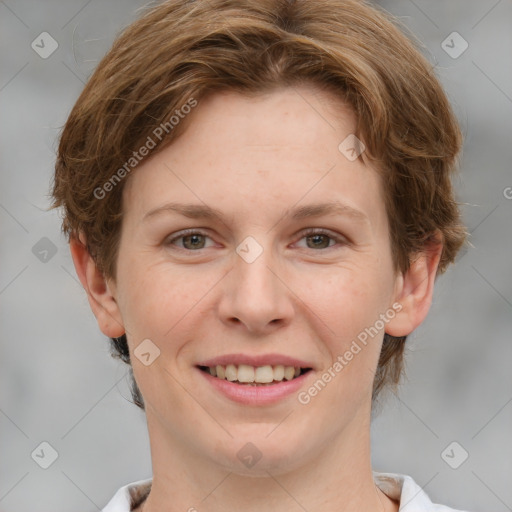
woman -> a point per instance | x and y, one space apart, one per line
258 201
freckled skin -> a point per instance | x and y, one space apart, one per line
255 160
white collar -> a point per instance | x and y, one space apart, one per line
402 488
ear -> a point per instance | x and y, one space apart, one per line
101 298
415 288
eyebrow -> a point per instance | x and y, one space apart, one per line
198 211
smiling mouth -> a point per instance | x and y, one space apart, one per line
254 375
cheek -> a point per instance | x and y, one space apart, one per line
158 302
162 306
347 299
348 306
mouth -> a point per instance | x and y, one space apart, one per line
247 375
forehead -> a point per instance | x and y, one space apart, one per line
298 117
271 148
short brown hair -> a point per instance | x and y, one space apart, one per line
187 49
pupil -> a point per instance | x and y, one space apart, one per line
194 239
318 239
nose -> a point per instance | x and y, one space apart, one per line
255 297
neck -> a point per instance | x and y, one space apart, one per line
337 478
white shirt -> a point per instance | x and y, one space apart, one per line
398 487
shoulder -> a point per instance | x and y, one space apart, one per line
129 497
398 487
410 495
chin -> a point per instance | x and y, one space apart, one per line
256 453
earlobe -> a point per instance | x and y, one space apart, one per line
415 289
99 293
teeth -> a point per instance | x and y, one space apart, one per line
263 374
289 372
231 372
279 372
247 374
221 372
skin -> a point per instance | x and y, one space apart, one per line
256 160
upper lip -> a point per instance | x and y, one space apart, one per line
256 360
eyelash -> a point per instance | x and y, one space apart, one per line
340 240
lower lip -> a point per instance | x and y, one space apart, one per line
256 395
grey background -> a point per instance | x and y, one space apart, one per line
57 381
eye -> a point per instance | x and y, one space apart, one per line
193 239
189 240
321 239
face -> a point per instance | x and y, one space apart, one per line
252 245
